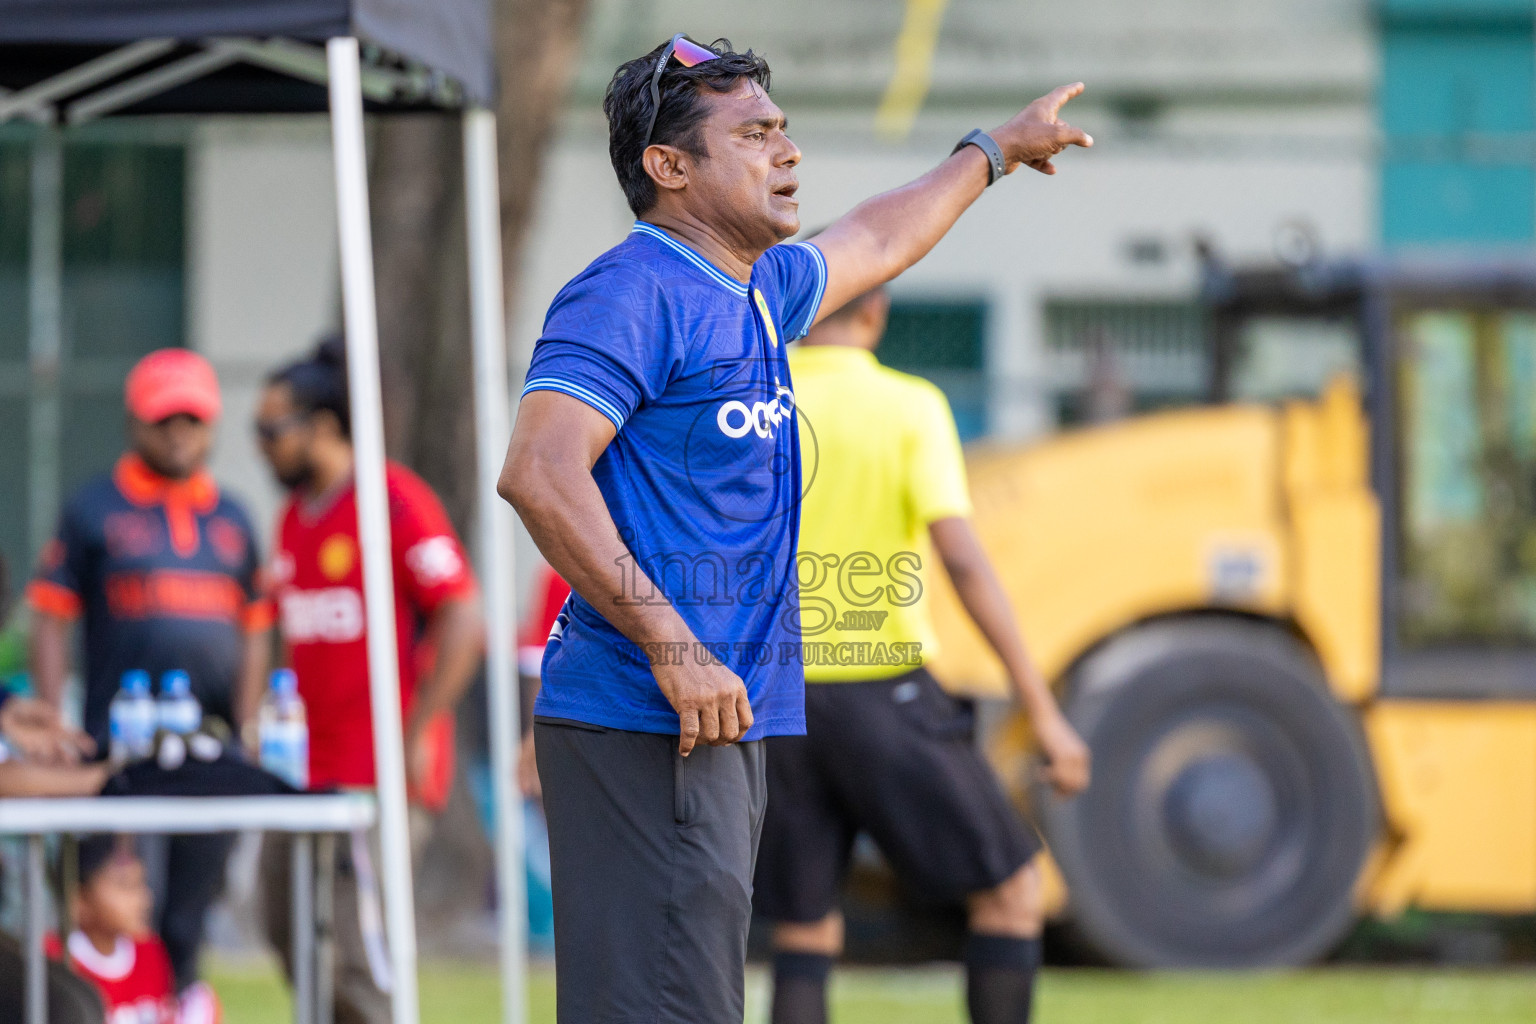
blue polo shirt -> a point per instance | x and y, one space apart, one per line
703 478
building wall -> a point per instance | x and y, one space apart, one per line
262 253
1228 121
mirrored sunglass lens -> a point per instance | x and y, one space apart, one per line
688 54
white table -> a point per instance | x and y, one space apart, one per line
313 820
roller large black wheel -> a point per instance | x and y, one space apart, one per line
1232 805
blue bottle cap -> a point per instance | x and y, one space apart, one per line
285 682
176 683
136 681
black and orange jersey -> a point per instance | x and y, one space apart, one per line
163 574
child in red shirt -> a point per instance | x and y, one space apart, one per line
114 948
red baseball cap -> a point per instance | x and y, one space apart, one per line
171 381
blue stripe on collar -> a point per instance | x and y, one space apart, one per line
735 287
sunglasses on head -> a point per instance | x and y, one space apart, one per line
689 54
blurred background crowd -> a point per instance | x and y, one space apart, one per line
1333 138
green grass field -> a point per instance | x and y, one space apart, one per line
469 994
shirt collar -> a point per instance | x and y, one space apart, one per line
691 256
312 508
113 966
143 486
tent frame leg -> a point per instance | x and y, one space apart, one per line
45 334
362 334
482 209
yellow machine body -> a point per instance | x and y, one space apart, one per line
1256 511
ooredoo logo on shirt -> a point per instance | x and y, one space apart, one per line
737 419
730 468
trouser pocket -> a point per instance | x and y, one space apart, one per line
679 788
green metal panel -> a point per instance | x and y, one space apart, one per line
124 238
1457 12
1458 120
944 341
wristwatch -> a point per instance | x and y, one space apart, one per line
996 165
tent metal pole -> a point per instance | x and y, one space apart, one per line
35 100
151 83
492 427
45 335
361 315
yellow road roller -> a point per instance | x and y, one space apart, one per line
1296 622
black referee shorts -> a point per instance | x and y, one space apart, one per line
651 856
893 758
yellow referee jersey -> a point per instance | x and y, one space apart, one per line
882 460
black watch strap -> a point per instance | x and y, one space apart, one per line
996 165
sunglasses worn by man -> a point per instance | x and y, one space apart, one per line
656 462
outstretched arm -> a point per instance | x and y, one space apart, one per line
883 236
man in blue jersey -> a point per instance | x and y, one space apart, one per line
656 464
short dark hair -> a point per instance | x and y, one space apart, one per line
628 106
318 382
853 305
95 852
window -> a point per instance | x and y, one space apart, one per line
122 295
1280 357
944 341
1111 358
1467 387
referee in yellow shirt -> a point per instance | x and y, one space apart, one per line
887 751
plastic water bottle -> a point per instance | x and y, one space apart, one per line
132 719
284 730
179 711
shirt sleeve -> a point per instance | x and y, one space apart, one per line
259 614
430 566
937 483
608 340
800 279
62 569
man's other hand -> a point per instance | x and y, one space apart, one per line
710 701
1067 758
35 729
1036 134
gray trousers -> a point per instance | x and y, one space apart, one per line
651 856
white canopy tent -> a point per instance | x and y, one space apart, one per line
67 62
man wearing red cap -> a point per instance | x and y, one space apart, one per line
161 570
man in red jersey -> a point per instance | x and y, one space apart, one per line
303 423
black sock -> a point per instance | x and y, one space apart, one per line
800 988
1000 978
